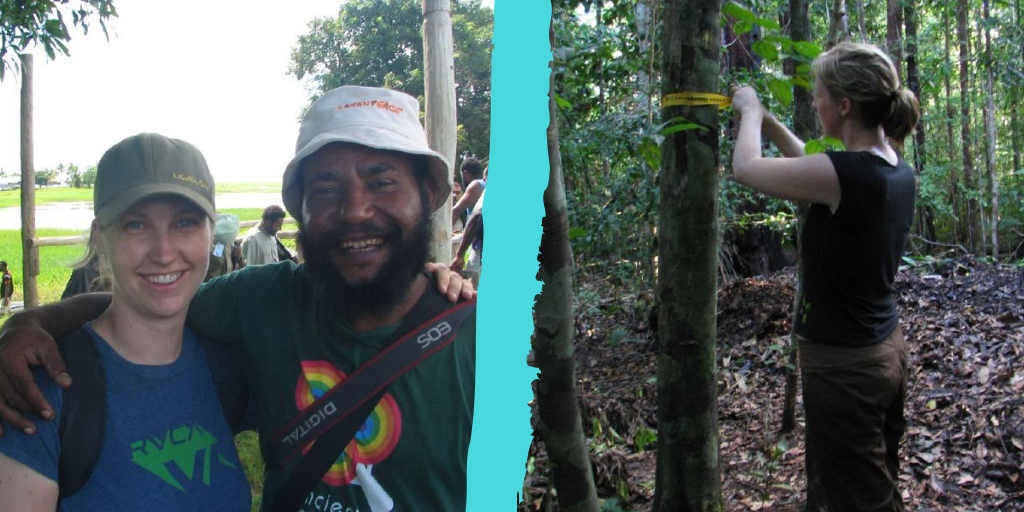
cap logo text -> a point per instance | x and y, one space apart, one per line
394 109
190 179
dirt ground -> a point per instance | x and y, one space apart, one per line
964 447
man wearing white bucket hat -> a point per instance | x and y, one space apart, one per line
363 183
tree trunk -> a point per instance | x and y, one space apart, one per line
805 128
954 181
965 127
642 18
925 215
1015 123
839 24
601 91
643 14
1017 134
1015 110
979 141
560 427
860 21
687 476
990 130
893 37
439 109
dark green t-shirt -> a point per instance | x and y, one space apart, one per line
850 257
412 450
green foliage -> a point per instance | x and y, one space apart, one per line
612 243
89 177
612 505
24 24
679 125
643 438
379 43
616 337
782 90
609 136
43 177
815 146
774 48
740 13
75 175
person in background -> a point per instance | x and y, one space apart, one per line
260 246
223 259
473 241
460 223
853 358
6 289
236 255
473 176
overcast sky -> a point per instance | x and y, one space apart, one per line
212 73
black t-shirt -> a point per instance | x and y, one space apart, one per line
850 257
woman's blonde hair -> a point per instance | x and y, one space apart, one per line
93 256
865 74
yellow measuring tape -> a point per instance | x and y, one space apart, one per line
695 99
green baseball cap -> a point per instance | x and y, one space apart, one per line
149 164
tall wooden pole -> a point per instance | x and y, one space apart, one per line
439 99
29 254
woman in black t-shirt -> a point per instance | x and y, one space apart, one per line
853 357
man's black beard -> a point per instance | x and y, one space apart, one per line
387 289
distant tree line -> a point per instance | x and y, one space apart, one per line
75 177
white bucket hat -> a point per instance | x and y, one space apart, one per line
369 116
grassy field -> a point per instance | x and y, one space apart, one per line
12 198
252 462
53 261
232 187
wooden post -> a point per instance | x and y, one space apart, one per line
439 105
30 255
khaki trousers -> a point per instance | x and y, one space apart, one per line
853 398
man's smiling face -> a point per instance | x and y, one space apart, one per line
365 224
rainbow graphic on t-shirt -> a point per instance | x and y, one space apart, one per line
373 443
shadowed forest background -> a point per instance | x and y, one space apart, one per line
599 337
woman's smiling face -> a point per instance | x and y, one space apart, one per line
159 252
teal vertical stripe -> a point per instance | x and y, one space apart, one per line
515 188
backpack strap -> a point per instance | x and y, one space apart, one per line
228 371
83 414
